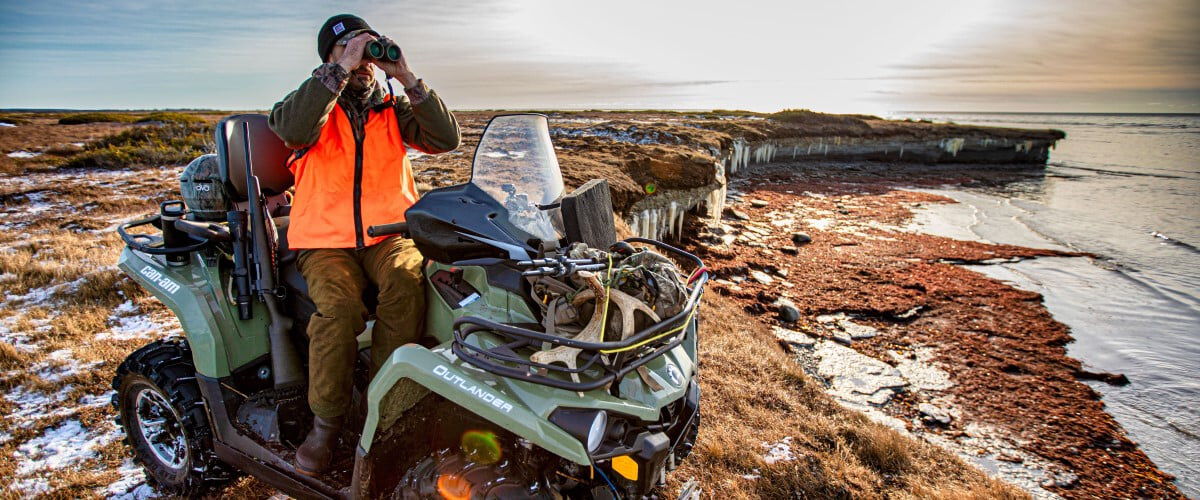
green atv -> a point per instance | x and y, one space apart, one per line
502 398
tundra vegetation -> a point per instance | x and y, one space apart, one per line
69 317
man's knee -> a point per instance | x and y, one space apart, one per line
341 307
401 283
398 272
335 283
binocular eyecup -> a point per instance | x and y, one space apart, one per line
383 50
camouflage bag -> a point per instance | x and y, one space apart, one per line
202 189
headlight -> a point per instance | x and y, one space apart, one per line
596 432
588 426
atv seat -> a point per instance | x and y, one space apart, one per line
268 155
269 161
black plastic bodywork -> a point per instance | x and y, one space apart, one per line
463 222
245 453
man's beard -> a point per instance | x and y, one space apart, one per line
361 82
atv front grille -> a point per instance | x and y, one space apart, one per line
498 347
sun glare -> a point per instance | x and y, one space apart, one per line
833 56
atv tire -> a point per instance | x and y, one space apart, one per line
159 406
449 474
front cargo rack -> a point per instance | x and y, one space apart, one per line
613 360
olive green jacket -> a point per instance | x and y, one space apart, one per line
427 126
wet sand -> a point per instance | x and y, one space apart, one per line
1014 385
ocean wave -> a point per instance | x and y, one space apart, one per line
1173 241
1116 171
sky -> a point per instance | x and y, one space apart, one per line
875 56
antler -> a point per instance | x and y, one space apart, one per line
593 332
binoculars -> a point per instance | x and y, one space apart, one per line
384 50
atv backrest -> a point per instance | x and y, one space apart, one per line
268 154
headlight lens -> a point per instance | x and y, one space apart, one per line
596 432
588 426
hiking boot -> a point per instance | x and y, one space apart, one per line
314 455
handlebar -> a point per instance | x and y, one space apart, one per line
204 230
152 244
400 228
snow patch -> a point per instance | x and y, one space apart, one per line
24 154
125 309
41 295
62 364
130 328
34 405
18 340
59 447
779 452
131 485
97 400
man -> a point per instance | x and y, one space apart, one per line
352 172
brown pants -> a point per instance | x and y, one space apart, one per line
336 280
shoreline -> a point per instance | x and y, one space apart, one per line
1016 404
1101 300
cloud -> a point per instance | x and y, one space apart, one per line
1066 48
766 55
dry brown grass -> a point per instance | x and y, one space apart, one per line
11 358
754 394
59 288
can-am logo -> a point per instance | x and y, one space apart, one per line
157 277
675 375
473 389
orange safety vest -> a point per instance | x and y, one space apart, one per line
344 186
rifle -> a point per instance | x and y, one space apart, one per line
285 361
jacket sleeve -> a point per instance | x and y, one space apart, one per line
298 118
427 126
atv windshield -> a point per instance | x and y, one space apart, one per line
516 165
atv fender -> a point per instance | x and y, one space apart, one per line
219 342
473 392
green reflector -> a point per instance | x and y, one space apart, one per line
481 447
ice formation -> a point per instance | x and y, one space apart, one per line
764 153
659 223
740 157
952 146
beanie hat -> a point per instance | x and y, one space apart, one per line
336 27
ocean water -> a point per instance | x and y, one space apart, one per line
1126 188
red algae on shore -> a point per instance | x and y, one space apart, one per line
1004 352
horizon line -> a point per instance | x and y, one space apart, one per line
631 110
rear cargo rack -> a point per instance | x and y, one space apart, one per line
613 360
